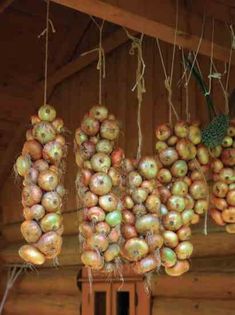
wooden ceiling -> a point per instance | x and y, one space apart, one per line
22 52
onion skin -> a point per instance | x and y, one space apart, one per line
48 180
147 223
53 152
36 212
52 201
23 164
50 244
136 249
179 268
146 264
90 200
100 184
31 195
51 222
92 259
31 231
114 218
41 165
47 113
32 148
31 255
170 239
117 157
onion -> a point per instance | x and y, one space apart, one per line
98 241
228 215
100 184
231 197
176 203
31 177
36 212
32 148
148 167
198 190
164 176
184 233
139 210
168 156
136 249
99 112
184 250
35 120
128 231
100 162
172 221
89 199
92 259
90 126
114 218
31 231
52 201
96 214
44 132
109 129
179 188
102 228
168 257
154 241
117 157
47 113
31 255
80 136
139 195
163 132
146 264
115 176
181 129
179 268
48 180
147 223
104 146
108 202
128 217
61 140
41 165
23 164
114 235
29 135
112 252
170 239
31 195
53 152
61 190
134 179
51 222
179 168
50 244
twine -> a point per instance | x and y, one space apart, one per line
13 274
229 68
101 57
137 46
168 79
46 32
188 115
211 58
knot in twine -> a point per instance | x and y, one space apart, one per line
137 48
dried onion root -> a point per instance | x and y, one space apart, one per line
99 187
184 164
41 165
223 189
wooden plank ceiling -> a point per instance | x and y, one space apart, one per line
22 52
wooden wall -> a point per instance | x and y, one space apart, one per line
209 287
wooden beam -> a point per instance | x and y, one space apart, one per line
4 4
149 17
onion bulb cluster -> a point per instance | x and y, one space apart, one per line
141 225
183 163
41 164
223 188
99 188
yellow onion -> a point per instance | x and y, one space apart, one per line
173 221
31 255
102 228
128 217
203 155
90 125
220 189
179 188
80 136
228 215
99 112
195 134
189 202
108 202
154 241
176 203
96 214
201 206
184 233
58 124
227 175
23 164
180 267
115 176
98 241
61 190
47 113
92 259
31 195
219 203
135 249
86 229
52 201
147 223
128 231
164 193
44 132
186 150
168 156
89 200
181 129
35 120
114 218
29 134
104 146
231 197
150 186
100 162
100 184
153 204
228 157
187 216
134 179
53 152
179 168
160 146
31 177
36 212
109 129
184 250
148 167
114 235
51 222
198 189
48 180
111 252
31 231
146 264
139 210
230 228
50 244
170 239
217 216
163 132
168 257
139 195
172 140
41 165
128 202
32 148
164 176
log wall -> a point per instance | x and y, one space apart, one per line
209 287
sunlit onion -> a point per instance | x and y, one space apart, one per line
31 231
52 201
50 244
23 164
51 222
31 255
48 180
31 195
44 132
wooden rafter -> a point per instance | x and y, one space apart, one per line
151 17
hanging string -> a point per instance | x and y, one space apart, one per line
13 274
101 56
46 32
229 68
137 46
188 116
169 79
211 58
